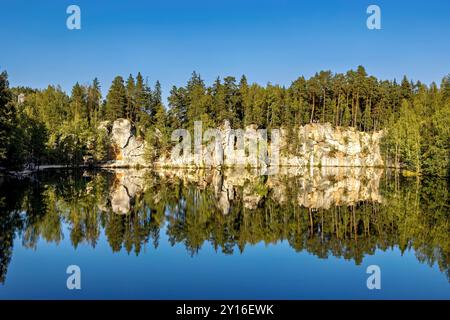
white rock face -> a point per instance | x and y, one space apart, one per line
327 146
127 149
316 145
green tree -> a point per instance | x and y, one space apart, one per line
131 99
116 100
7 115
94 102
143 111
78 103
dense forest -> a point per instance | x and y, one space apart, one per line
48 126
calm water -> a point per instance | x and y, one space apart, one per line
300 234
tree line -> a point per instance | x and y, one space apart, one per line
50 126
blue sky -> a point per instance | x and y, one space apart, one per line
269 41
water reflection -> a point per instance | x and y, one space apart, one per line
343 212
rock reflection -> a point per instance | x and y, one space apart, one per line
316 188
126 185
343 212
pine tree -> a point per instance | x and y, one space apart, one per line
219 107
7 115
157 135
178 106
233 108
445 88
313 89
298 100
78 103
94 101
142 105
243 103
360 86
116 100
130 112
346 117
157 95
274 106
405 89
196 99
140 97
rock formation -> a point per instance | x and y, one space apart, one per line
127 150
327 146
311 145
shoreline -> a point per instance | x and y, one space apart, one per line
26 172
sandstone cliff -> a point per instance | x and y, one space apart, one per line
126 149
310 145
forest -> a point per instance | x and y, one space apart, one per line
50 126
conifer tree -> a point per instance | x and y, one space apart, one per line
78 103
445 87
94 101
116 100
142 97
131 99
7 115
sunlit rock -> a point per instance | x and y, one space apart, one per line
127 150
310 145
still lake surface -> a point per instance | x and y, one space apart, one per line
232 234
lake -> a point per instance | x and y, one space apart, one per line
232 234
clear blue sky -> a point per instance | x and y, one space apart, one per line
269 41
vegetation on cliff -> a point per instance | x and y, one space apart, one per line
50 126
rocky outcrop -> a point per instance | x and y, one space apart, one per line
327 146
311 145
126 149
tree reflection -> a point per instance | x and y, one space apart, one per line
344 214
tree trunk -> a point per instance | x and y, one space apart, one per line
323 107
312 111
